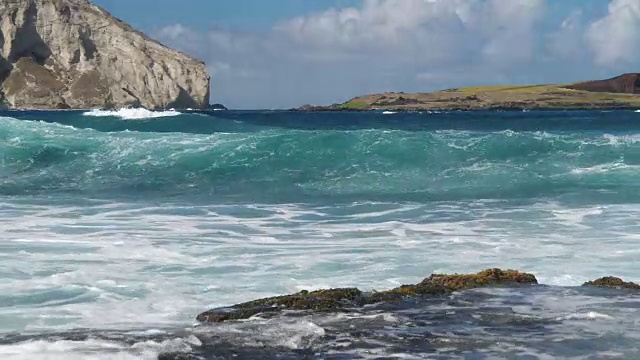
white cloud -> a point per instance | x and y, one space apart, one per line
427 31
189 40
409 45
615 39
509 30
567 42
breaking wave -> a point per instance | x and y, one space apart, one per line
288 164
132 114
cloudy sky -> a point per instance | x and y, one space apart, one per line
286 53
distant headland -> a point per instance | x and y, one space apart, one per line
621 92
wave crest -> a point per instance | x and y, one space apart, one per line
132 114
279 164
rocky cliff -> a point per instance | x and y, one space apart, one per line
73 54
625 84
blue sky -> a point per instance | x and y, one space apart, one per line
285 53
202 14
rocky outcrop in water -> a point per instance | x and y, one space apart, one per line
337 300
342 299
613 282
73 54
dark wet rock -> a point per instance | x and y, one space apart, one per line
343 299
320 300
519 322
176 356
612 282
438 284
217 107
491 277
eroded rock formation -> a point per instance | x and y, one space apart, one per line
73 54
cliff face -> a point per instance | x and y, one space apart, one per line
626 83
73 54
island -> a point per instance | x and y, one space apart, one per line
72 54
621 92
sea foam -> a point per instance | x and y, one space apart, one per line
132 114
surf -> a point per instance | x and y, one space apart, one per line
284 163
132 113
173 216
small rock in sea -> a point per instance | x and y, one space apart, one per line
612 282
175 356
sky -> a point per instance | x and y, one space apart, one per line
287 53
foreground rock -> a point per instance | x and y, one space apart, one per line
72 54
613 282
342 299
621 92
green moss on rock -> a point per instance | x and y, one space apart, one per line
321 300
354 105
340 299
612 282
491 277
439 284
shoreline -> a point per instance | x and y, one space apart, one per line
622 92
110 109
346 110
499 109
407 109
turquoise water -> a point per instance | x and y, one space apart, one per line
134 222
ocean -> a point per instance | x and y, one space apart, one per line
118 228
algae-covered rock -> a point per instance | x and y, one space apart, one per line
491 277
320 300
612 282
176 356
440 284
340 299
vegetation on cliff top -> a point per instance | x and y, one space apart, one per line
496 97
620 92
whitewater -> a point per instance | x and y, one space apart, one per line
132 113
118 228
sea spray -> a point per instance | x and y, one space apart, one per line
132 113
